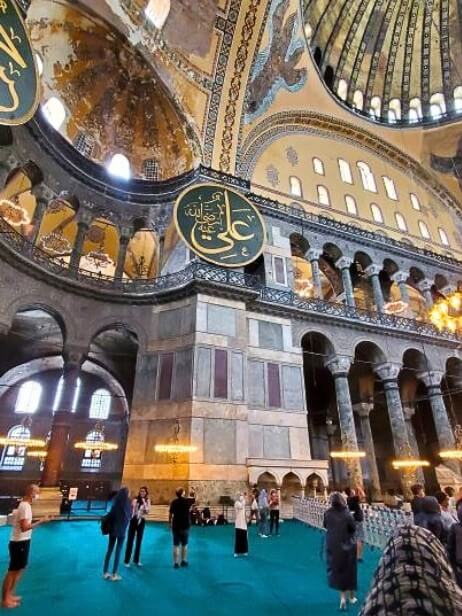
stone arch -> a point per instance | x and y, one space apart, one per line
291 485
113 322
314 485
319 341
268 480
61 315
366 348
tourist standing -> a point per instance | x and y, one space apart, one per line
274 511
429 517
118 519
448 515
241 542
354 505
263 513
19 545
451 494
341 550
254 506
418 494
180 522
454 547
140 509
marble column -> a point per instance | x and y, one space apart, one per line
313 256
401 279
389 375
343 265
160 255
373 272
363 410
82 228
444 430
331 429
123 246
409 412
339 367
424 287
62 418
36 221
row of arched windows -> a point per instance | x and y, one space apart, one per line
437 101
30 393
376 212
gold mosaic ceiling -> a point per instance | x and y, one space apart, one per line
391 49
110 93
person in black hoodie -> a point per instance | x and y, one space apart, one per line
429 517
119 518
454 547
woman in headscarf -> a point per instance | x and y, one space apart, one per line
455 547
413 578
241 545
341 550
118 520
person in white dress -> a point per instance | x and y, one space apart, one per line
241 544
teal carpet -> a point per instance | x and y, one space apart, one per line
282 575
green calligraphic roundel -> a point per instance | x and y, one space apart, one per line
19 90
220 225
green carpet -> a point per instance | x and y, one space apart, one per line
282 575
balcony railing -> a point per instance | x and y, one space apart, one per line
17 246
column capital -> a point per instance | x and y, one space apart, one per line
363 409
424 285
339 365
373 270
73 358
399 277
408 410
313 254
432 378
343 263
388 372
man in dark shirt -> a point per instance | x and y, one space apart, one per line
418 498
179 521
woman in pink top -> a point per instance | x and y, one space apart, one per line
274 511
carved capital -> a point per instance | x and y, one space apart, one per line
74 357
388 372
343 263
363 409
313 254
424 285
400 277
408 410
339 365
373 270
432 378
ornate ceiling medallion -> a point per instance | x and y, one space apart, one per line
55 243
220 225
13 213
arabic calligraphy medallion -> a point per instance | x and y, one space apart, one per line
220 225
19 91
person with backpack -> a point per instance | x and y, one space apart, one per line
115 525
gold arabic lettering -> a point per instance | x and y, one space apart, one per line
11 85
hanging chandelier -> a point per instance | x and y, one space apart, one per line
408 463
347 454
454 454
447 313
97 442
41 454
23 439
13 213
174 447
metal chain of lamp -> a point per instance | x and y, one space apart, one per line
173 448
97 442
23 439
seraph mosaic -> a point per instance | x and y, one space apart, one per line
451 165
275 66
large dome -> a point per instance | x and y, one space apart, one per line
103 97
392 60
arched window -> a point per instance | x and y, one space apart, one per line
295 186
415 202
13 456
458 99
54 112
59 394
119 166
28 399
437 105
358 100
84 144
394 110
318 166
443 237
424 232
390 188
415 110
100 405
151 169
323 196
342 89
345 171
400 221
91 459
351 206
157 12
367 177
377 213
376 107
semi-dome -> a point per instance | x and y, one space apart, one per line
393 61
103 97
